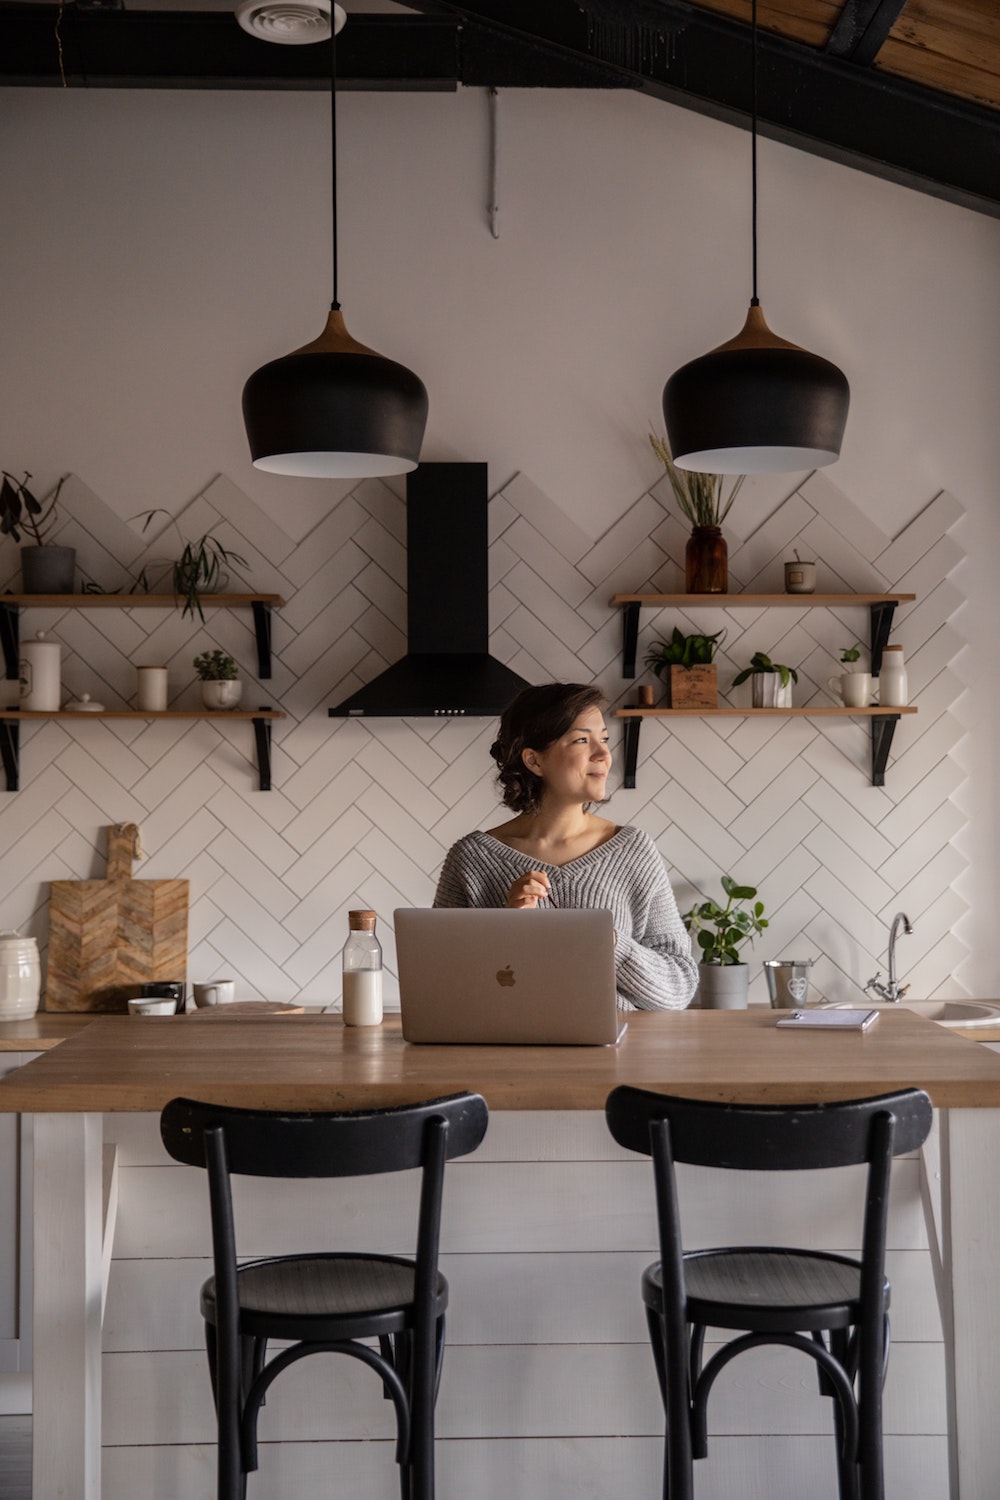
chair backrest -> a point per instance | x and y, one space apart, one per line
768 1137
346 1143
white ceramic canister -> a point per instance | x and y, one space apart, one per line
893 689
151 695
20 977
39 672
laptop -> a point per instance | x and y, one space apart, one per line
513 978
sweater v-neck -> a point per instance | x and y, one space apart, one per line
543 864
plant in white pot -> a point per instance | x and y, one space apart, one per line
720 932
854 685
772 682
45 568
220 687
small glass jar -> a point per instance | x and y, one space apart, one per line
362 961
706 562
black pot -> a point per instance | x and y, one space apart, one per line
48 570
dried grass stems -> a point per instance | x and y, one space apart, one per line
699 496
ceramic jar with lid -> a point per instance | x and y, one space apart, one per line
893 689
20 977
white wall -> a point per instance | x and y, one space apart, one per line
158 247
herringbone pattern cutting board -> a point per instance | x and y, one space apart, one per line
106 937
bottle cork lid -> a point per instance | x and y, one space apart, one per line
362 921
893 648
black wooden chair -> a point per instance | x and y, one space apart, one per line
325 1302
833 1308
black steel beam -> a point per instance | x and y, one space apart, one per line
862 27
862 117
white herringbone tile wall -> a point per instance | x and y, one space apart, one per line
362 813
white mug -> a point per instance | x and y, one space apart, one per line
215 992
854 688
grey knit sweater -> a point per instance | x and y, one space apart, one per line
625 875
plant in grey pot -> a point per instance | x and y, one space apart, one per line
772 682
220 686
45 568
688 664
720 932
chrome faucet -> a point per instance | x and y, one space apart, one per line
892 991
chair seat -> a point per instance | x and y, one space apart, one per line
766 1290
325 1296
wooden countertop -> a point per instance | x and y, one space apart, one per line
314 1062
42 1031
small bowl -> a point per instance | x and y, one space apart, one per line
158 1006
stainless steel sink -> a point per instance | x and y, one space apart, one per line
962 1014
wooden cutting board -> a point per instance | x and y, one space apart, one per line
106 937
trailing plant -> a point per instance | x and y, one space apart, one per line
720 931
851 653
215 666
199 568
20 511
699 496
683 651
760 662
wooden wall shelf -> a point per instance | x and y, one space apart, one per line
881 608
11 718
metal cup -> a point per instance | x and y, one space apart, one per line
787 981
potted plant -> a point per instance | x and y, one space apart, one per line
701 501
45 568
199 569
855 684
772 682
720 932
687 663
220 687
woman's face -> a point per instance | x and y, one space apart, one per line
575 766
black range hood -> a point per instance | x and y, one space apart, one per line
447 671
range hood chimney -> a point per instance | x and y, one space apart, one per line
447 671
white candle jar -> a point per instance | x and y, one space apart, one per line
20 977
39 672
151 695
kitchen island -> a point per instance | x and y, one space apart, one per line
555 1396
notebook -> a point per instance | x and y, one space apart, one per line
848 1019
532 978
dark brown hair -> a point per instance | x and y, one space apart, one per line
537 717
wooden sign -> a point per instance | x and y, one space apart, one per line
694 687
106 937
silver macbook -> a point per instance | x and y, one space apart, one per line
538 978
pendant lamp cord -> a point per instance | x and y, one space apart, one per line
754 300
335 305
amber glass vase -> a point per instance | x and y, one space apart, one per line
706 562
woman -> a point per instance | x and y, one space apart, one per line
553 759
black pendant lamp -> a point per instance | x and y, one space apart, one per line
334 409
757 404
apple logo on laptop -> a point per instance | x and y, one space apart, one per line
505 977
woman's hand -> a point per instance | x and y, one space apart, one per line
529 889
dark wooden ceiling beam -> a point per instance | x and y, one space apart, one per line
863 117
861 29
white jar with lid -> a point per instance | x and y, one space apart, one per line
20 977
39 672
893 689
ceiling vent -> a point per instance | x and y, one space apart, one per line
291 22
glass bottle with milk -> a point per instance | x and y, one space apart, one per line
362 971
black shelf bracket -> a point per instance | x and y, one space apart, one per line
630 637
632 727
10 639
10 751
880 630
883 729
262 630
262 734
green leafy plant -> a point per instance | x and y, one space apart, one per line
851 653
199 569
760 662
720 931
683 651
21 512
699 496
215 666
